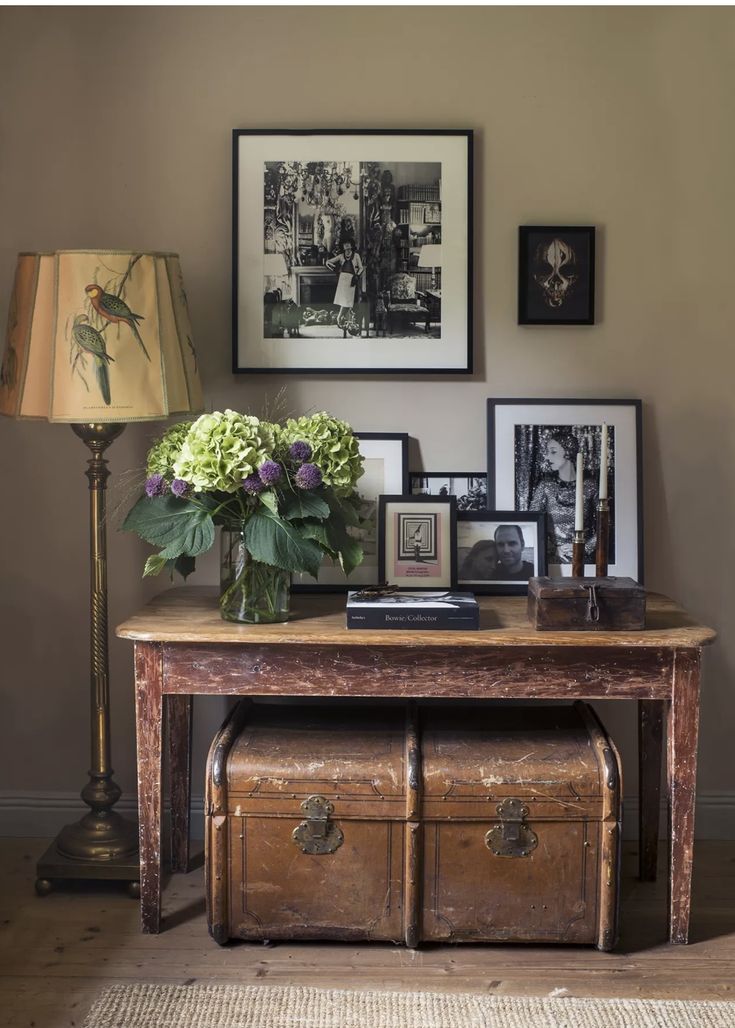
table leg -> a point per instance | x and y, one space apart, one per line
149 733
682 731
650 740
178 718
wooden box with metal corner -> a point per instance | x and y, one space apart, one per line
607 604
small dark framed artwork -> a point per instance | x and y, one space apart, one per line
417 541
499 550
556 275
470 487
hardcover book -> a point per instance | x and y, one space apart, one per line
420 611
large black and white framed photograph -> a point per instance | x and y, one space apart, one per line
385 470
556 275
417 541
533 447
498 551
469 487
352 251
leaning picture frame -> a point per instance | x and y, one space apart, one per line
385 463
470 487
498 551
417 541
532 445
352 251
556 275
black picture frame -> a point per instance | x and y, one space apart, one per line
465 500
625 479
494 518
548 294
367 573
272 337
443 548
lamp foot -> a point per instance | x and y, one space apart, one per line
57 865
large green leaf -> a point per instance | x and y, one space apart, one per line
273 541
269 500
342 507
305 505
177 525
184 564
154 565
317 530
349 550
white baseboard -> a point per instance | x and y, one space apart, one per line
42 815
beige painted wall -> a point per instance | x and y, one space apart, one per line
115 132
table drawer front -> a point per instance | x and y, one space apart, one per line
363 671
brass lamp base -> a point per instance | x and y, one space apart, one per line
99 837
57 866
102 844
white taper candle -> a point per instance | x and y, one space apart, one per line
578 507
603 463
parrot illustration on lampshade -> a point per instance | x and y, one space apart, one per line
115 310
89 340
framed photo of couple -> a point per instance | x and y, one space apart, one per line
499 550
532 466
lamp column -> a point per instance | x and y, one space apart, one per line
102 844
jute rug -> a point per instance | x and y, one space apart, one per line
274 1006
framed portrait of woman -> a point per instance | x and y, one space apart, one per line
352 251
532 448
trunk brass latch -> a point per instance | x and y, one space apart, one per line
318 834
512 837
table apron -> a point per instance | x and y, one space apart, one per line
423 671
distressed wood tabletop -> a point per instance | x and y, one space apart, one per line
190 614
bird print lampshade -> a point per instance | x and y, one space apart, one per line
99 336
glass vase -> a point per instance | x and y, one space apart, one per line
250 592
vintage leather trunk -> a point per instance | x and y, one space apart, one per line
521 826
310 823
586 604
462 823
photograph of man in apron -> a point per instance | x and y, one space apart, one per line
349 268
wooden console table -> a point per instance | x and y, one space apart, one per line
183 648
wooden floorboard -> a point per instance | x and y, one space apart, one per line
57 952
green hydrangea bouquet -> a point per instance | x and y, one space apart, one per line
284 495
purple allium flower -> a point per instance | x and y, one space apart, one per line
269 472
155 486
299 450
179 487
253 484
308 476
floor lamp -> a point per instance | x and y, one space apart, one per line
97 338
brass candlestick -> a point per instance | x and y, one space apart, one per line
578 554
603 537
102 844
